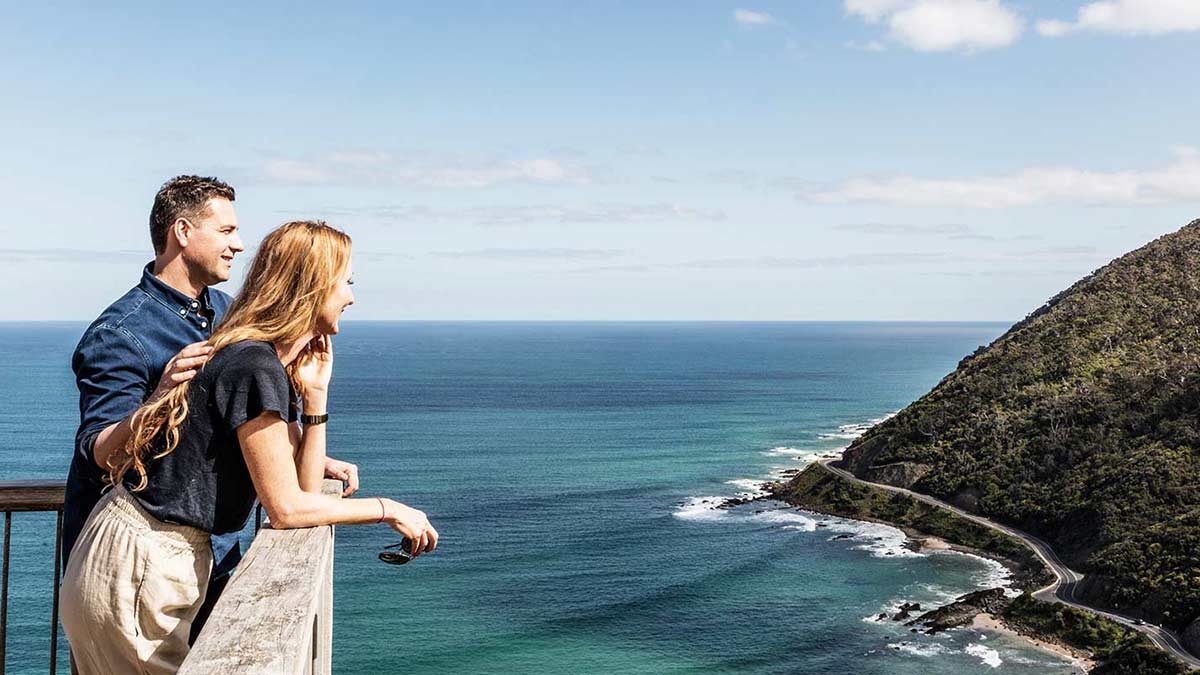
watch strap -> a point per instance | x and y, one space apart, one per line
314 419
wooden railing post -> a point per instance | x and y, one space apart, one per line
322 654
276 614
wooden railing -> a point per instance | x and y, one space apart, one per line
275 615
30 495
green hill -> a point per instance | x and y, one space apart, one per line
1081 424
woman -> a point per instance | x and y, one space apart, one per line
198 458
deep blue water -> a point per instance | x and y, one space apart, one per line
571 469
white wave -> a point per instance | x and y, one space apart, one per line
882 541
785 451
751 487
992 575
989 656
708 509
915 649
940 594
791 520
702 509
855 429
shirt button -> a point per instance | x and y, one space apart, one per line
195 304
183 312
204 324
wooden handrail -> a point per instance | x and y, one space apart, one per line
275 616
30 495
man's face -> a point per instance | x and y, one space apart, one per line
212 241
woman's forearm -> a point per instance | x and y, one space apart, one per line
306 509
310 460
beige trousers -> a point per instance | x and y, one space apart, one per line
131 590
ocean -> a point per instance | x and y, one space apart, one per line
573 471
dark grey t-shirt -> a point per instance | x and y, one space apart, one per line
204 482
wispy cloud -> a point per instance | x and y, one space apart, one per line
73 255
949 231
1056 252
849 260
533 254
1177 181
1129 17
941 25
377 169
898 229
751 19
501 215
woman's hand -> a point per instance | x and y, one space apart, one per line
314 368
412 524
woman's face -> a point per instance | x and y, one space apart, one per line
341 298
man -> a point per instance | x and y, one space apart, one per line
151 339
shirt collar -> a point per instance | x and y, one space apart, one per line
172 298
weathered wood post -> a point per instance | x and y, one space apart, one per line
276 614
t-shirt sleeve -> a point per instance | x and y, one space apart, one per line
252 383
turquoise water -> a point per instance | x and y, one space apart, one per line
572 470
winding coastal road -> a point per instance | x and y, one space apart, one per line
1066 579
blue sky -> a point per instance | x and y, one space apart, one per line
803 160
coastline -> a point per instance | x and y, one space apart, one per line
815 498
987 622
923 542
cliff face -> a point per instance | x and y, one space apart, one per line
1080 424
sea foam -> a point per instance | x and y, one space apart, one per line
930 649
989 656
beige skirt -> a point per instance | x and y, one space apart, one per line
132 589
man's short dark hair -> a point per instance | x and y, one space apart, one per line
182 197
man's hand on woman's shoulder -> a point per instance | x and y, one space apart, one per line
181 368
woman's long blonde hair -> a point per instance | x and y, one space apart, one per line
294 271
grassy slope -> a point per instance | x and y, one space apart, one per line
1081 425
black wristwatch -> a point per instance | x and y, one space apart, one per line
314 419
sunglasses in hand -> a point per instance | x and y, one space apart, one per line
397 554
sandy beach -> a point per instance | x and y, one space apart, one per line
987 622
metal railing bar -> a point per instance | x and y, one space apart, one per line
4 593
54 607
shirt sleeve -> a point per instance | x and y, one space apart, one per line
113 377
251 384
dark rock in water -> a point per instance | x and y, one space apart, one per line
906 610
737 501
836 537
882 616
962 611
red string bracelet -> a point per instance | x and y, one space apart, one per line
382 511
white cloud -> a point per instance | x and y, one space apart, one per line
873 10
942 25
953 229
752 19
534 254
382 170
1177 181
1129 17
515 214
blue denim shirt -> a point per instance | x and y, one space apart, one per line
117 364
